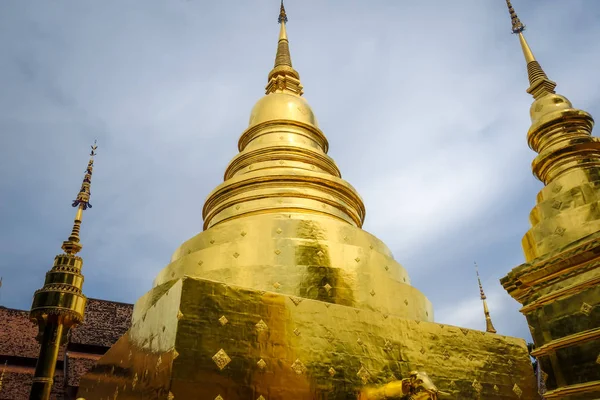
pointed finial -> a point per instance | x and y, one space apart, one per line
539 84
517 25
82 202
482 294
489 327
282 15
283 77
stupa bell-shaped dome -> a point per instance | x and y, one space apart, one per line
282 105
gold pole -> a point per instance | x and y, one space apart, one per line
46 363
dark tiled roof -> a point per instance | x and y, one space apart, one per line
17 336
105 322
77 365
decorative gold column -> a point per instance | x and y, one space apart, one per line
60 304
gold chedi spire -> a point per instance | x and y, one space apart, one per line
60 303
283 77
489 327
539 83
82 202
568 159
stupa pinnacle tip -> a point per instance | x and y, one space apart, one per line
282 15
517 25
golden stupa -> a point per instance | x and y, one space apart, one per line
559 284
284 296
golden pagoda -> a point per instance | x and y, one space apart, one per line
60 303
558 285
284 296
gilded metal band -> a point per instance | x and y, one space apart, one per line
567 341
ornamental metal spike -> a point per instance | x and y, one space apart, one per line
282 15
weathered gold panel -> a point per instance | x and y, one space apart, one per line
249 343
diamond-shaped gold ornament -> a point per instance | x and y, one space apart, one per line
261 326
357 259
372 292
387 346
277 251
223 320
327 287
261 364
363 374
297 332
517 390
221 359
296 300
586 309
496 388
277 285
477 386
236 254
298 367
332 371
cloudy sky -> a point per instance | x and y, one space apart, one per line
423 102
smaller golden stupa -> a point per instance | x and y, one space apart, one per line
559 283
